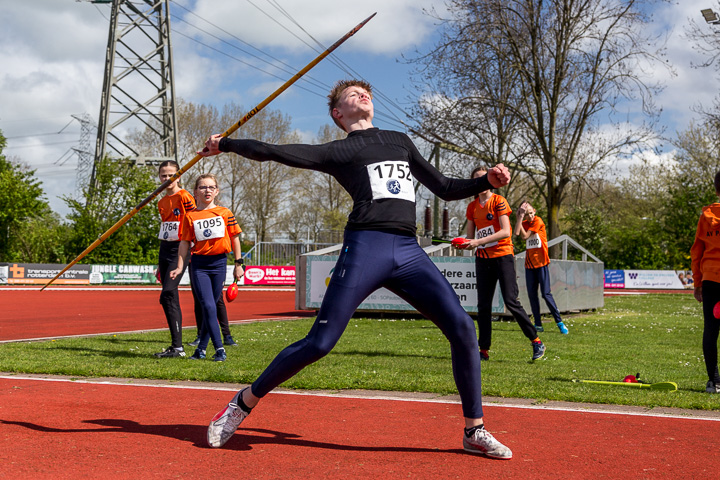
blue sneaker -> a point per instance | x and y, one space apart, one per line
539 327
198 355
220 355
563 328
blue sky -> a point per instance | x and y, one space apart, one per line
52 54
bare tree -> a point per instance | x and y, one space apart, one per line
539 84
705 37
319 205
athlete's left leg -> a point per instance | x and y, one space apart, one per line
418 281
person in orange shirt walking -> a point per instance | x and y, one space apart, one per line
173 207
532 229
705 255
215 232
489 231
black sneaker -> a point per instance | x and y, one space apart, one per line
538 350
171 352
229 341
539 327
195 342
484 355
712 387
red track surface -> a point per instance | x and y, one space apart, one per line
30 313
65 429
75 430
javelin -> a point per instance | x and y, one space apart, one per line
197 157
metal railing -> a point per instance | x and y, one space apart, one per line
273 253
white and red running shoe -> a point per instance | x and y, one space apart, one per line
483 443
225 422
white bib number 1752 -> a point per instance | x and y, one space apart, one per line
391 179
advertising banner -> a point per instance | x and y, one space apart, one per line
125 274
460 272
265 275
614 278
658 279
41 273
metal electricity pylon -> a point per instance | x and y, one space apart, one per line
139 87
84 148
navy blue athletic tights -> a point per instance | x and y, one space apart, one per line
368 261
207 274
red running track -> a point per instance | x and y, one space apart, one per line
74 429
64 429
27 313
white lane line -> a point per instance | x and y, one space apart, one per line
389 397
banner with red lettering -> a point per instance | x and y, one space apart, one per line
262 275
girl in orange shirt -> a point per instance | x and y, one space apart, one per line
173 207
537 259
214 232
705 254
489 230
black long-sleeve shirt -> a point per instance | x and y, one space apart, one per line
376 167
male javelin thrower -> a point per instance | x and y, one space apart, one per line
378 169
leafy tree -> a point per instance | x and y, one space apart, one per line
22 200
120 186
541 78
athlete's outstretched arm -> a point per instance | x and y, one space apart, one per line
454 188
310 157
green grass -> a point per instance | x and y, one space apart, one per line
656 335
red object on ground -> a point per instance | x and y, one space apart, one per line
231 292
630 379
716 310
458 241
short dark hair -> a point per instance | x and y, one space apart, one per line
340 86
717 182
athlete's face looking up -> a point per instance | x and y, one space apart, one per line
354 103
165 173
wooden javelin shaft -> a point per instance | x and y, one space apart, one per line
197 157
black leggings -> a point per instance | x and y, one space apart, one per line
169 298
711 296
488 271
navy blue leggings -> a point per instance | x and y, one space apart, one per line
535 277
368 261
207 274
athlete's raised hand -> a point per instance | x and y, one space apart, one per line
498 176
211 146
